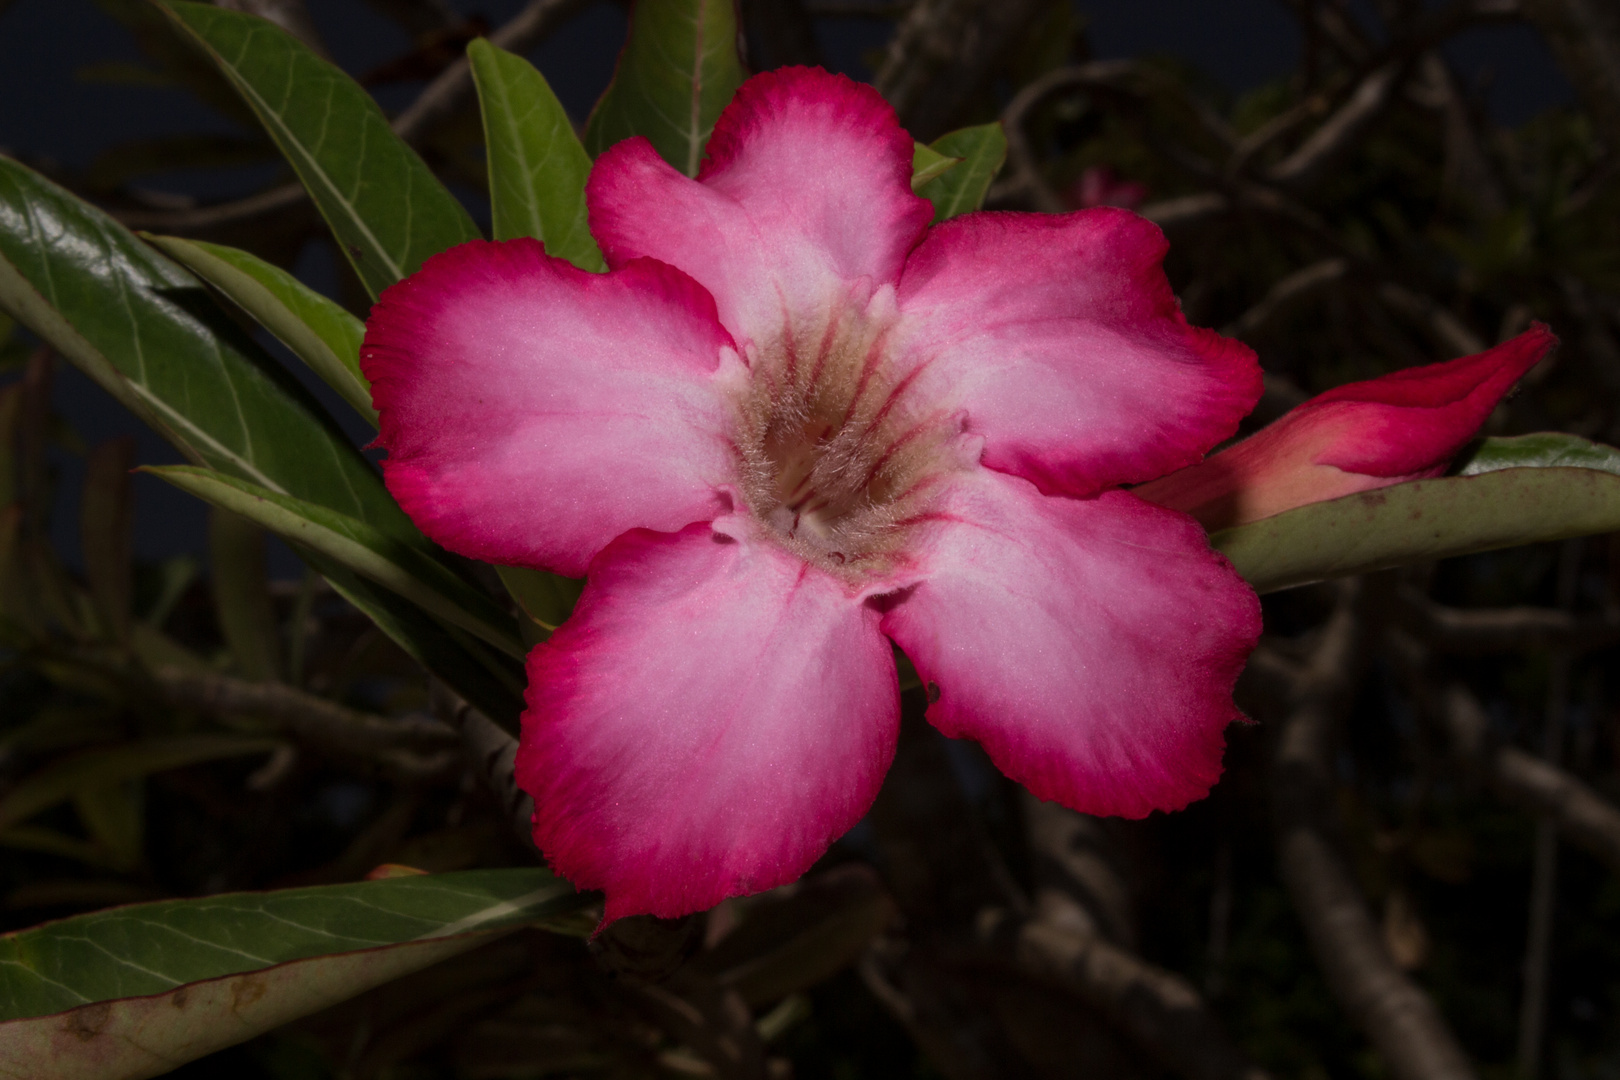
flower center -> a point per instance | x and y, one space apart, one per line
837 462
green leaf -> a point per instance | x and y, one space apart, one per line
928 163
546 598
247 614
318 331
385 206
114 814
1421 520
492 681
679 68
1546 449
982 151
408 570
136 991
537 166
150 335
108 764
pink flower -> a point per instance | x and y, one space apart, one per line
792 425
1406 425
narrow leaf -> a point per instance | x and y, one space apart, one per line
318 331
384 205
114 814
982 151
1422 520
247 615
152 337
405 569
106 520
59 780
928 164
135 991
537 166
679 68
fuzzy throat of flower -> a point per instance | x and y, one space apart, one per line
837 464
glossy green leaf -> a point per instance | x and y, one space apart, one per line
151 336
108 764
318 331
406 569
136 991
241 588
679 68
1543 450
982 151
929 164
537 165
1421 520
384 205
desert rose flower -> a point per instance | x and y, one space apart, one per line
1406 425
794 424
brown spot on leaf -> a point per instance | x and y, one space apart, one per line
179 997
245 991
86 1023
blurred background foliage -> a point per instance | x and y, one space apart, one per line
1365 211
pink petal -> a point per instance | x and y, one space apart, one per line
1404 426
532 411
712 717
806 191
1060 338
1090 645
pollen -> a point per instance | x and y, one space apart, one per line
837 463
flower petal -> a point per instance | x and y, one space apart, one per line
1358 437
712 717
806 191
532 412
1090 645
1060 338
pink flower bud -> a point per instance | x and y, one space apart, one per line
1406 425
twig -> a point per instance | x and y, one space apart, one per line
1300 283
1544 868
1493 630
1446 327
1395 1014
491 752
1025 169
943 52
454 86
440 98
1367 102
409 746
1158 1009
1583 817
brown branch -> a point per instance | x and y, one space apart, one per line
943 52
1300 283
1330 142
491 751
1394 1013
454 85
1446 328
409 746
1161 1013
1493 630
1026 171
1585 818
